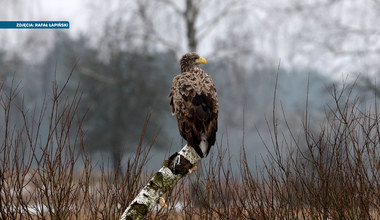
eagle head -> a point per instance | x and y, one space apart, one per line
191 60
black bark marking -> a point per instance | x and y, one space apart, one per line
140 208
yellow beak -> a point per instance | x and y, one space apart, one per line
201 60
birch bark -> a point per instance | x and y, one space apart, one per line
173 169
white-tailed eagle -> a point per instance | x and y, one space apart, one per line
194 101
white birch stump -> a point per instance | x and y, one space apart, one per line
173 169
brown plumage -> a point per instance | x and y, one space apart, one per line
194 101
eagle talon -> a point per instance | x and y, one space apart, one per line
162 203
193 169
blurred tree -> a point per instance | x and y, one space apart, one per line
165 25
117 94
122 93
344 34
7 65
191 21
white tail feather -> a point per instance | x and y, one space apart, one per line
204 145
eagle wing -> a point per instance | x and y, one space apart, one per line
194 101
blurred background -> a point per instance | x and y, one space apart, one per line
126 53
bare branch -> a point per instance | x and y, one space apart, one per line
97 76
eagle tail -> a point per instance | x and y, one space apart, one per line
204 145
